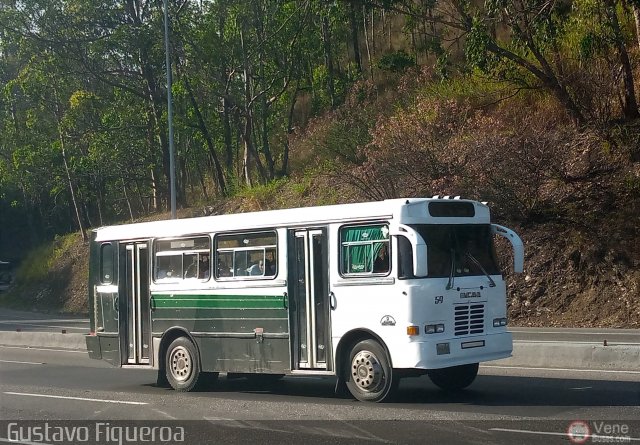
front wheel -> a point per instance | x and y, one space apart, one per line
454 378
182 365
369 376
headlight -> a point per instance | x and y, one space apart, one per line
498 322
434 328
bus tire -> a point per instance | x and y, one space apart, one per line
369 376
454 378
182 365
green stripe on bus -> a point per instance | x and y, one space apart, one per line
220 301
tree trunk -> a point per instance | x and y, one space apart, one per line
126 197
74 200
247 130
365 27
226 103
328 60
285 156
630 104
266 147
222 187
203 185
354 35
636 16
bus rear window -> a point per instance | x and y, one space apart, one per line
106 264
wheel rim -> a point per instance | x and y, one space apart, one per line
180 363
366 371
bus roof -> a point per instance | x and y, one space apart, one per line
407 210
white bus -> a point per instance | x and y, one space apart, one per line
368 292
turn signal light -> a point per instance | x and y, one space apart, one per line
413 330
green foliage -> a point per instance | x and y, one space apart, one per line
37 265
396 62
477 47
83 104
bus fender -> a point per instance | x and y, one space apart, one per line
347 341
170 335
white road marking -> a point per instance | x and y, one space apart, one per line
86 399
22 363
611 371
623 439
75 351
165 414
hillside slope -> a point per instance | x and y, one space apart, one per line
562 286
573 194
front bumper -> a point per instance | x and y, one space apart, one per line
476 349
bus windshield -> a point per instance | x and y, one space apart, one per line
459 250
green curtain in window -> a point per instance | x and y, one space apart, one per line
359 257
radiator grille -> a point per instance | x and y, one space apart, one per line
469 319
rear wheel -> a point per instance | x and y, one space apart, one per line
182 365
369 376
454 378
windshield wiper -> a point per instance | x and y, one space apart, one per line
453 268
477 263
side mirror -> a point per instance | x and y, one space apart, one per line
516 244
418 248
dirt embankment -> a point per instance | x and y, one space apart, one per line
573 282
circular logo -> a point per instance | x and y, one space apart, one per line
578 431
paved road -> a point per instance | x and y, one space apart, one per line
502 406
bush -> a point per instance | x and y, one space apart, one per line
397 62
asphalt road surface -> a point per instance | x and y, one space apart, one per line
42 387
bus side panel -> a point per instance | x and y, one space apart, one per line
271 355
235 333
94 264
103 342
103 308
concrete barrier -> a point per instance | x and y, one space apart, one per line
43 340
573 356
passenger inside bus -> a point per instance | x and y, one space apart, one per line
203 267
256 269
192 269
270 263
381 263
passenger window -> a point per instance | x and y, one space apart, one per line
246 255
182 259
106 264
364 250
